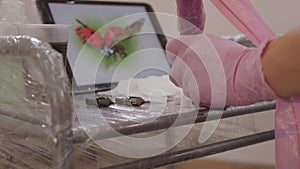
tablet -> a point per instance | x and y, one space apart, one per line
108 41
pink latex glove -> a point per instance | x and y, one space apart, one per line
242 66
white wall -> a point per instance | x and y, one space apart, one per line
281 15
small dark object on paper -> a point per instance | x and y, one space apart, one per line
99 102
130 101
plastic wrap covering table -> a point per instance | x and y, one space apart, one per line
39 128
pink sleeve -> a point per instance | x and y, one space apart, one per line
287 133
191 15
242 14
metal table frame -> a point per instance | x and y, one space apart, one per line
195 152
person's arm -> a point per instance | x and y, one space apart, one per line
281 64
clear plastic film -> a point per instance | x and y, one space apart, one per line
35 103
191 15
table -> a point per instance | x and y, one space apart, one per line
35 135
239 127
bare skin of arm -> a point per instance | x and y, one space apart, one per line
281 64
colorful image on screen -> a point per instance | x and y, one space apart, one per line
115 42
110 42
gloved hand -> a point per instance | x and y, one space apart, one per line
244 78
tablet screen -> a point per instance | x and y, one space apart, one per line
110 42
